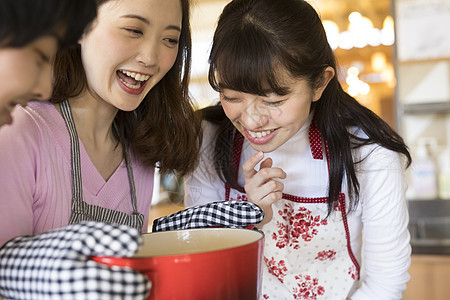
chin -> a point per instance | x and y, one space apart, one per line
263 148
127 109
128 106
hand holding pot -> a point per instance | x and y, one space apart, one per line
229 214
57 265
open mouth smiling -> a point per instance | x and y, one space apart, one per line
258 134
132 80
260 137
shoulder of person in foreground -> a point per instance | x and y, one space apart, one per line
20 161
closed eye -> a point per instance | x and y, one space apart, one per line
274 103
225 98
134 31
171 42
41 55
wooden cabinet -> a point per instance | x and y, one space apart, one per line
430 278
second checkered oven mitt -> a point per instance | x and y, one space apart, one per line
231 214
57 265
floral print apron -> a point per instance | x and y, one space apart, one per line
306 255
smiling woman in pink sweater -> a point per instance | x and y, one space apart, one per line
90 153
77 171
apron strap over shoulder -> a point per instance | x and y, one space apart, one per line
81 211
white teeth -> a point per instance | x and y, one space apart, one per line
131 86
259 134
136 76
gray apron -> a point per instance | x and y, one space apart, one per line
81 211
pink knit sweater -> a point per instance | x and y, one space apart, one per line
35 176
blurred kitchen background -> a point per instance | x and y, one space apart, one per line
394 57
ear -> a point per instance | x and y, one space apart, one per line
327 75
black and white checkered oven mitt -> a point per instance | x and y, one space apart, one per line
57 265
232 214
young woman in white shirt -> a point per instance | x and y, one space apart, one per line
327 171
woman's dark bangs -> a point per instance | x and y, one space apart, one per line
245 62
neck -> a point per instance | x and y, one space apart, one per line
93 118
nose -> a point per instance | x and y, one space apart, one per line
254 116
148 54
43 88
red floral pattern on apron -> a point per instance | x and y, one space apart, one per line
306 255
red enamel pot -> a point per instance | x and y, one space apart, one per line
199 264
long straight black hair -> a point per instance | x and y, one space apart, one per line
254 40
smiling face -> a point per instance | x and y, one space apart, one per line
268 122
130 48
26 74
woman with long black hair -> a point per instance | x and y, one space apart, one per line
327 171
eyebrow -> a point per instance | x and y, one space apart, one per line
147 22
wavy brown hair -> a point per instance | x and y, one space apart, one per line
164 130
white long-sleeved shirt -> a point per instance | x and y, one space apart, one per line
378 226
